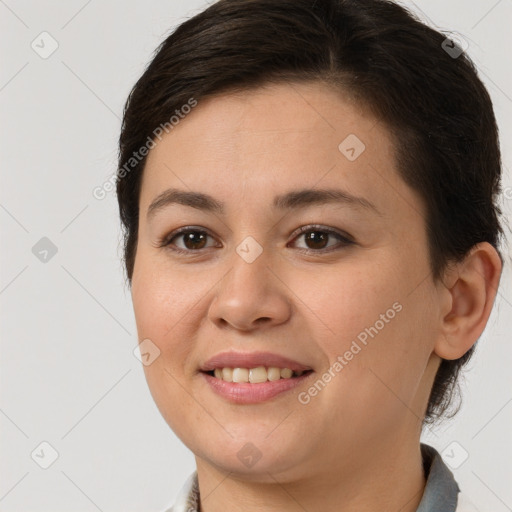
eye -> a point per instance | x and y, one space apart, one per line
193 240
316 238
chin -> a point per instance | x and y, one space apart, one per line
252 459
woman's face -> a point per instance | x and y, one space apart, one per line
351 299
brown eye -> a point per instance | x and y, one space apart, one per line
192 240
317 239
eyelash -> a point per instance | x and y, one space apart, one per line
344 240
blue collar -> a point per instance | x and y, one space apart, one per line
441 488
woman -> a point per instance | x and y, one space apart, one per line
308 191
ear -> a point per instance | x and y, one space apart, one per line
467 294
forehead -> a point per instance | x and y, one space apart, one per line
274 139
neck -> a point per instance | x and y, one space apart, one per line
389 478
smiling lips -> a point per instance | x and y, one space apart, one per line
252 377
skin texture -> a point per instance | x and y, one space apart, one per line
356 443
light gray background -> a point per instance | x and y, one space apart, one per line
68 373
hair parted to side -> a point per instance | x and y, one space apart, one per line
435 107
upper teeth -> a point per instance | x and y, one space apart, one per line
254 375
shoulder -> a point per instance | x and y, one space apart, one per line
464 504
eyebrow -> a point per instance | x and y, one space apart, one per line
290 201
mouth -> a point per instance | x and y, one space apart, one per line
252 377
246 392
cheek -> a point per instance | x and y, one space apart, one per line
369 317
162 307
345 302
163 304
163 299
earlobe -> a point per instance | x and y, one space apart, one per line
470 289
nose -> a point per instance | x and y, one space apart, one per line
251 295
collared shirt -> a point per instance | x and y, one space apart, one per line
441 493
